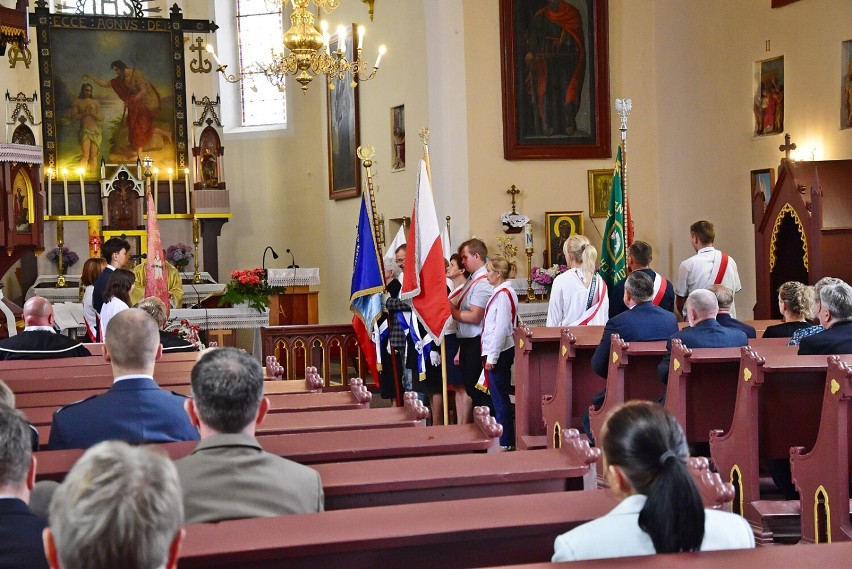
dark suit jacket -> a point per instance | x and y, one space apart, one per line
100 287
41 345
728 321
644 323
134 410
835 340
705 334
173 344
616 296
20 536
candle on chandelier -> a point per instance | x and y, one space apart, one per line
341 38
171 192
361 32
186 187
528 236
156 196
50 191
212 53
326 38
80 172
65 187
382 50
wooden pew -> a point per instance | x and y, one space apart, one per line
821 472
779 398
337 446
632 374
536 363
576 382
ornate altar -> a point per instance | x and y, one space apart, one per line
122 196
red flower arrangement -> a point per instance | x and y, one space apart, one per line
249 286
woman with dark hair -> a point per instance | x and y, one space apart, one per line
116 296
464 405
644 458
92 269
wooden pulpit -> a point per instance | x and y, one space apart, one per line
298 304
804 231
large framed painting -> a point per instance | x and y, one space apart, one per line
113 89
344 171
846 84
555 70
560 226
768 103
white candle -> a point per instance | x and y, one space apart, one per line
528 236
382 50
65 187
156 197
186 187
171 192
50 191
80 172
361 32
212 53
341 38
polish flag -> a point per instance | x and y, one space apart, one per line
155 264
424 281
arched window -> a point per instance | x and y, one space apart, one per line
259 32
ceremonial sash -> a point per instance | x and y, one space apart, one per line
660 287
723 266
483 383
597 295
467 288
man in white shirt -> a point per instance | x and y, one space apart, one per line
707 267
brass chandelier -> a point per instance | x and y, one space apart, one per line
310 53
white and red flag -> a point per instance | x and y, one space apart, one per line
155 265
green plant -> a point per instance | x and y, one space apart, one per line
249 286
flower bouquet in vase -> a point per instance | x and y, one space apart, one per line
179 255
69 258
250 287
542 279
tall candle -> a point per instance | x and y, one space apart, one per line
186 187
65 187
382 50
528 236
50 191
361 33
171 192
341 38
156 196
80 172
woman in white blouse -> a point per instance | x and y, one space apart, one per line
498 346
116 296
92 269
660 510
579 295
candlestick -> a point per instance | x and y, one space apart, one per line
65 187
530 293
138 169
186 187
50 174
60 241
382 50
103 169
171 192
528 237
80 172
196 237
156 193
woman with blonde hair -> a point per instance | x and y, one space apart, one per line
795 301
498 346
579 295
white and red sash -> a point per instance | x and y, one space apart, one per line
466 289
720 270
595 304
660 287
483 383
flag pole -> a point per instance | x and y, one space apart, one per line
623 108
424 138
366 153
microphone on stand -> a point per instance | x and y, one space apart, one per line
274 256
138 257
293 265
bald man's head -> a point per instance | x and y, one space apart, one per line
38 311
701 305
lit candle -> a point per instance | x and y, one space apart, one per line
50 191
186 186
65 187
171 192
80 172
528 236
325 37
341 38
212 53
361 32
156 196
382 50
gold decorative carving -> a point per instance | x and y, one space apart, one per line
787 209
821 491
746 374
521 344
557 438
614 357
676 364
564 350
737 481
835 387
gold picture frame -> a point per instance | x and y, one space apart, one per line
600 187
556 223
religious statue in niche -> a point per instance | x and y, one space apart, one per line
22 210
122 203
209 170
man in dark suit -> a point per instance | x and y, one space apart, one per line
116 251
228 475
160 313
643 322
639 257
725 298
704 332
20 529
835 315
134 409
39 341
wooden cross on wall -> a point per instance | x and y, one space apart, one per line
787 146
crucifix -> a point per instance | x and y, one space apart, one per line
787 146
513 191
201 65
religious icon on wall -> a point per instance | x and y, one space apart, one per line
23 215
846 85
398 138
344 170
555 72
560 226
600 186
762 182
768 104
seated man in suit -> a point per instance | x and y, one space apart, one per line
118 507
639 256
134 409
160 313
834 310
229 475
20 529
704 331
39 341
643 322
725 298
